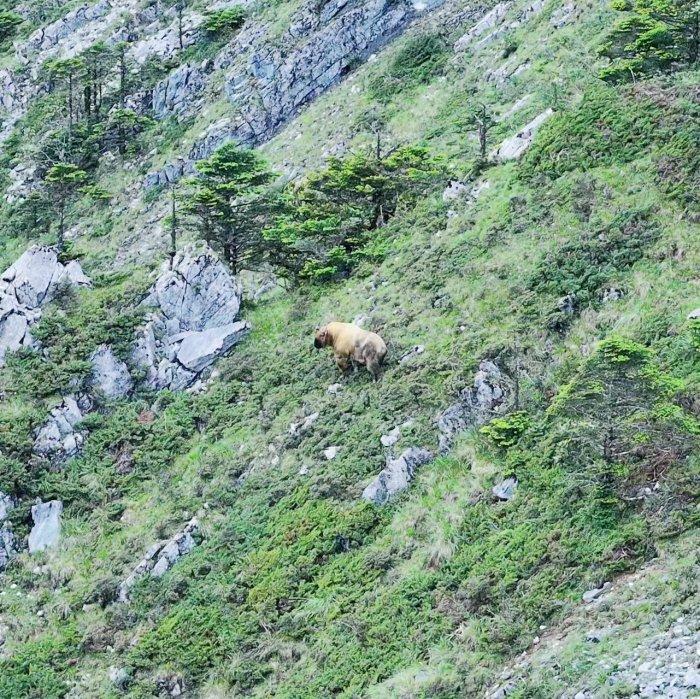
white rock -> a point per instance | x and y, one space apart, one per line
396 476
46 531
331 452
490 20
388 440
513 148
110 375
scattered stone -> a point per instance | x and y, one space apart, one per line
506 489
119 677
612 294
46 531
694 315
388 440
331 452
475 405
193 322
335 389
32 281
454 190
567 304
8 545
298 428
396 476
515 146
591 595
411 354
160 558
110 376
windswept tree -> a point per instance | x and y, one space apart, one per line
652 35
64 73
229 202
331 219
63 181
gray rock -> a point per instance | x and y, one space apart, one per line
505 490
58 438
694 315
515 146
269 79
110 376
454 190
612 294
32 281
46 531
411 354
490 20
193 322
475 405
299 428
119 677
174 94
567 304
6 505
199 349
8 545
388 440
396 476
160 557
591 595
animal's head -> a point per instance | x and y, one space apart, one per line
321 337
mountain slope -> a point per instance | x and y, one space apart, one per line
571 271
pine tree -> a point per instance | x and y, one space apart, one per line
63 180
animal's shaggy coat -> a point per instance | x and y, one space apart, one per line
350 342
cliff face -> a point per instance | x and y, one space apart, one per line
194 501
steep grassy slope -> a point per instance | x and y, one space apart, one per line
297 587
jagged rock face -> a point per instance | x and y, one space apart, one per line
172 95
514 147
59 438
476 404
485 24
110 376
160 558
396 476
194 320
27 285
46 532
278 78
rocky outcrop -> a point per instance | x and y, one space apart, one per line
27 285
173 95
110 376
515 146
268 81
505 490
475 406
160 558
59 438
46 532
490 20
195 305
396 476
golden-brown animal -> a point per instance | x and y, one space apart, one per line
350 342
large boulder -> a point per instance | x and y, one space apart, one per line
110 376
46 531
396 476
32 281
193 320
160 558
475 406
59 437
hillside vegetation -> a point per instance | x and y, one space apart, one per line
572 268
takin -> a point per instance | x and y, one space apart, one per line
352 343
